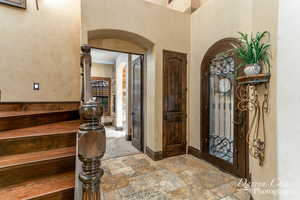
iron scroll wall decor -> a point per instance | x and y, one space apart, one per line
248 100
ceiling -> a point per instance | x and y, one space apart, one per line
104 57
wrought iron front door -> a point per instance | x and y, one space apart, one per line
223 131
221 104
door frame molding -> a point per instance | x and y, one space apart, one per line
142 57
144 94
239 167
180 152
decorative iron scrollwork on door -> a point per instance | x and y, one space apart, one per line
221 107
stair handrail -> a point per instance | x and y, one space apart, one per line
91 136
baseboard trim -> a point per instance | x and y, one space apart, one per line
194 152
128 137
154 155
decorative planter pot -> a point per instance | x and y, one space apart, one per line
253 69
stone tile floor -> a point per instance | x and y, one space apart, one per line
137 177
117 145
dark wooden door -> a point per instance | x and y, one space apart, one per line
223 126
137 103
174 103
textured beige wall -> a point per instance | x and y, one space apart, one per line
288 99
158 2
267 173
116 45
180 5
40 46
207 27
102 70
153 23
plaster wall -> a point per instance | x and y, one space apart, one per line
218 25
36 48
268 172
102 70
158 2
180 5
245 17
116 45
145 20
288 99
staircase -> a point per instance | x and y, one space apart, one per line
37 154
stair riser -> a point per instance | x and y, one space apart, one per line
61 195
35 106
15 122
36 143
20 173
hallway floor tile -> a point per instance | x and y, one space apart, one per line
117 145
185 177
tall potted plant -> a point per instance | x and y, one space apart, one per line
253 53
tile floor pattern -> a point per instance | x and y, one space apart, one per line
117 145
137 177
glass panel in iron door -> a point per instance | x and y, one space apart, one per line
221 104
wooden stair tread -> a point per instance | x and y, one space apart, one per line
20 159
39 187
47 129
26 113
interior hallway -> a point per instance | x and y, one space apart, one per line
137 177
117 145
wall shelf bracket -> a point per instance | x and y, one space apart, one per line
248 100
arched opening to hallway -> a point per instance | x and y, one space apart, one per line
124 54
117 86
158 118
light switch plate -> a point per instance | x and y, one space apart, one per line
36 86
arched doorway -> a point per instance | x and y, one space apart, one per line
138 48
223 126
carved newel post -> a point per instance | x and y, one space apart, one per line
91 137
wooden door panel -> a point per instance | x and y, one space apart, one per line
137 103
173 85
174 103
175 128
